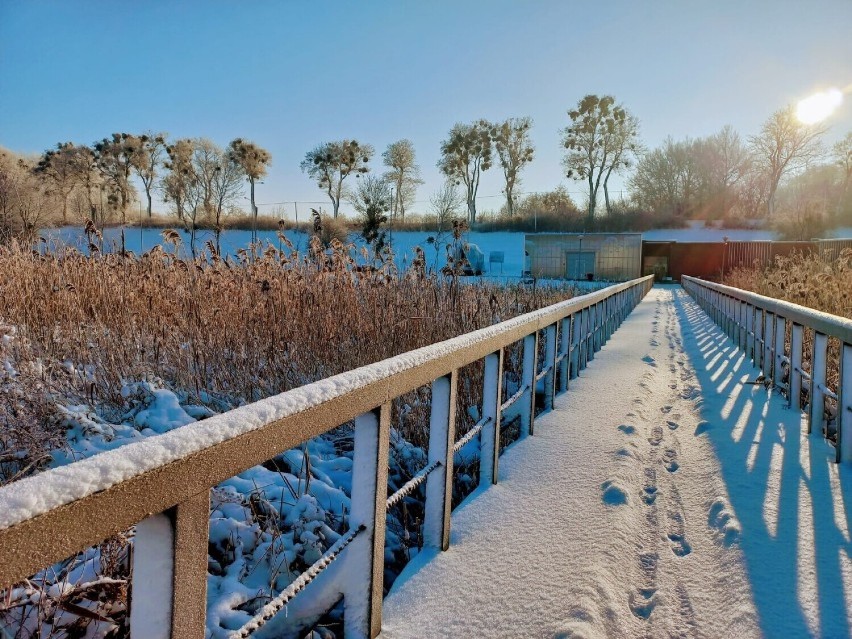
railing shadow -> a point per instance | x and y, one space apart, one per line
791 499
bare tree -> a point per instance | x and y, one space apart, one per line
842 152
226 188
666 179
445 204
145 157
784 144
724 162
58 167
85 163
330 163
514 150
23 199
597 131
372 200
177 185
254 161
114 158
404 175
624 148
465 154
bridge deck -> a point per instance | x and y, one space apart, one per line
687 503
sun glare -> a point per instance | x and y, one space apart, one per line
819 106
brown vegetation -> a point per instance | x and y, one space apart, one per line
225 331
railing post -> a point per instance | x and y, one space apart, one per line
844 405
758 337
590 334
528 381
576 328
779 347
768 341
750 331
597 335
363 587
489 436
582 342
742 322
550 361
816 414
565 353
170 601
439 483
794 395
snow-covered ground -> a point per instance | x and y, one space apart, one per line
403 242
687 503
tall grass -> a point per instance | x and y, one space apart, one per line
227 331
806 280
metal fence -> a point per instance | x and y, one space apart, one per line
773 334
170 500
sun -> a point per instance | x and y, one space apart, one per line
819 106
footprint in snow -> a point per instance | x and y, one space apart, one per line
673 425
656 436
649 491
649 360
613 494
670 460
702 428
721 519
643 606
627 429
680 546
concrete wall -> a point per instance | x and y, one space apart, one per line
615 256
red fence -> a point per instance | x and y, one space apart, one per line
709 260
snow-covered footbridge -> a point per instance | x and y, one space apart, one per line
675 489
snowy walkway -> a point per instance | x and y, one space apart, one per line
684 503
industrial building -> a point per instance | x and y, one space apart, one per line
612 257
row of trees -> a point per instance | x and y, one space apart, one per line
199 178
720 176
723 176
469 150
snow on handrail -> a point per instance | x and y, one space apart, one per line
163 483
32 496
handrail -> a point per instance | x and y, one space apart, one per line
826 323
46 518
758 324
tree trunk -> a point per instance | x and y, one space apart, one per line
510 202
592 197
148 193
253 212
606 199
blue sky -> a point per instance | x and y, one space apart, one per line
292 74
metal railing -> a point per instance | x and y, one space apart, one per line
759 326
166 494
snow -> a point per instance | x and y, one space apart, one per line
31 496
687 503
403 242
150 614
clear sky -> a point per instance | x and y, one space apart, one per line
289 75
